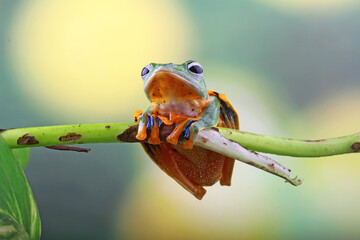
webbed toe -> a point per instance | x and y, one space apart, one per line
141 134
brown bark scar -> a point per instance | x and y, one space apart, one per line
272 166
70 137
356 147
129 134
215 129
26 139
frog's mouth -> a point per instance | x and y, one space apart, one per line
171 92
165 84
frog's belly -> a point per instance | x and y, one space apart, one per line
201 166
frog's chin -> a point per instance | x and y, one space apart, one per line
170 92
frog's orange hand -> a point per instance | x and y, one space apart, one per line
154 127
141 135
189 127
189 135
148 123
137 114
174 136
167 158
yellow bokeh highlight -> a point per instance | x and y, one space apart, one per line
158 208
332 181
309 6
82 59
334 117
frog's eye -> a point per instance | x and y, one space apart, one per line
195 69
145 71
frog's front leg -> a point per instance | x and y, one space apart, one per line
179 129
209 118
147 122
190 127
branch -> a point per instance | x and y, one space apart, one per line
115 132
294 147
221 140
212 140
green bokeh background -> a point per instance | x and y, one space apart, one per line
290 71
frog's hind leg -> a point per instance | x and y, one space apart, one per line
166 158
227 171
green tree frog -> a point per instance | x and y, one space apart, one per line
179 97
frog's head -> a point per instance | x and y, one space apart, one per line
169 82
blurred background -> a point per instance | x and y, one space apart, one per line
290 68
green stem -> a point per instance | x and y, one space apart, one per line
294 147
108 133
64 134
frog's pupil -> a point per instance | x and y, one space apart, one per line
196 69
144 71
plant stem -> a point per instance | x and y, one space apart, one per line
64 134
108 133
214 141
294 147
229 142
211 139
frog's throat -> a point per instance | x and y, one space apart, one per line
172 79
170 92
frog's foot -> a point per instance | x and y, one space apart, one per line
149 123
137 114
141 134
154 128
227 171
190 135
165 120
174 136
185 129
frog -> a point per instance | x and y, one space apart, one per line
179 97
